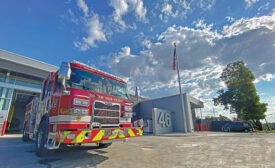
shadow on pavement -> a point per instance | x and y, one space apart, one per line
75 156
67 156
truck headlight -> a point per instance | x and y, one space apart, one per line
81 102
79 111
128 108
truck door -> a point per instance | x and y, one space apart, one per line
233 126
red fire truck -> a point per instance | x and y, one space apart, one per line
80 104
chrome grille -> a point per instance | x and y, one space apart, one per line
105 113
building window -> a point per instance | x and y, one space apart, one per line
5 96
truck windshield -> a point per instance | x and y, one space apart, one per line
84 80
117 89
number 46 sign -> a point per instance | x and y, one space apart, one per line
164 119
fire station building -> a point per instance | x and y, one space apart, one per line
164 115
20 80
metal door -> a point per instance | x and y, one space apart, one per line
5 101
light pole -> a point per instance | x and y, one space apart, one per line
213 111
267 122
200 107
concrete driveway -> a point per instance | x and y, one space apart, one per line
173 150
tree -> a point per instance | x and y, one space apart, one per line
220 118
224 118
241 97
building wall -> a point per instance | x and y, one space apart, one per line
22 74
170 103
173 104
17 63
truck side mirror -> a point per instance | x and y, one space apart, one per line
64 73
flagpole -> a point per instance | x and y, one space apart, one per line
137 95
181 96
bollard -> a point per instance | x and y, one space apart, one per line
4 128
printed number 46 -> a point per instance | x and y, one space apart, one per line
164 119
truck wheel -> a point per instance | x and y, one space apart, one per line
246 130
104 145
41 139
25 136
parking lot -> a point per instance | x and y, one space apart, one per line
174 150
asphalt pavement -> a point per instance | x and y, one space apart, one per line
203 149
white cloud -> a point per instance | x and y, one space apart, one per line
122 7
267 77
249 3
201 24
153 67
244 25
94 28
229 19
206 4
72 16
270 112
146 43
203 52
250 40
140 10
264 7
125 53
180 8
83 6
95 33
167 9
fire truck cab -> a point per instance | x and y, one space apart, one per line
80 104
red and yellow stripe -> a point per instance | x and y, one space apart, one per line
72 137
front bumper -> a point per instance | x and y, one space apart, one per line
97 135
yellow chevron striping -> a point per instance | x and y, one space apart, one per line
80 138
131 133
99 135
140 131
114 136
65 133
121 135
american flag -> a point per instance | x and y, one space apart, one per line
174 58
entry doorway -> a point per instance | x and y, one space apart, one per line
17 109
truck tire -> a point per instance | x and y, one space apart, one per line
41 139
25 136
246 130
104 145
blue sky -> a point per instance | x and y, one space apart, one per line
133 39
